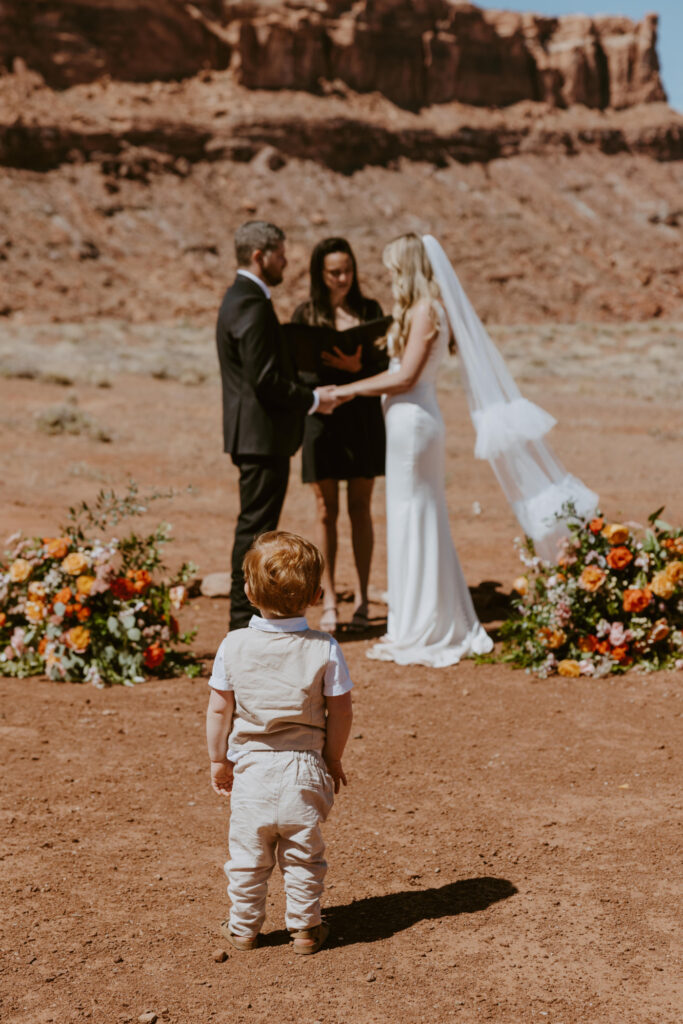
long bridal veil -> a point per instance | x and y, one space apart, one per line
509 428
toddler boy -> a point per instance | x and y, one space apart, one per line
278 720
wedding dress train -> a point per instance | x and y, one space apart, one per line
431 620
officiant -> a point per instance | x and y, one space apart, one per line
349 444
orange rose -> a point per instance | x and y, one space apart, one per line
3 618
78 639
56 547
35 611
20 570
521 585
674 572
602 647
63 596
620 653
615 534
619 558
84 585
75 563
659 631
661 585
596 525
122 588
674 544
140 580
592 578
83 613
569 668
154 655
588 644
551 638
636 600
41 646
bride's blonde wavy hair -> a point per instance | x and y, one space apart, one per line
412 280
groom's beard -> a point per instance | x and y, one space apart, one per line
273 277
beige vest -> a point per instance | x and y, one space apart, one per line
278 680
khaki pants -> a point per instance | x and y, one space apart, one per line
279 799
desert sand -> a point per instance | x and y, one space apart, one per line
507 849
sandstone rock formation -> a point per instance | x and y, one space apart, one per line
119 194
72 41
414 52
435 51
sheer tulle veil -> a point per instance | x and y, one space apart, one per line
509 428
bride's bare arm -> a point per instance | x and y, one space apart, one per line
420 340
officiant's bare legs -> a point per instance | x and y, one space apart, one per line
327 501
359 497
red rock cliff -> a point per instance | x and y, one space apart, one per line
415 52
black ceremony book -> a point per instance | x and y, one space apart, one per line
308 342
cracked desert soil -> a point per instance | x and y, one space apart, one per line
507 850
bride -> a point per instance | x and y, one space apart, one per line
431 620
431 617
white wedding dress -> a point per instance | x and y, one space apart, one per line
432 620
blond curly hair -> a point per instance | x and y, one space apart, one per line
412 280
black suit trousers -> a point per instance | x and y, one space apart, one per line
263 485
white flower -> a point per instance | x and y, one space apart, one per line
92 675
586 667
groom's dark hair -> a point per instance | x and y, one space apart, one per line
256 234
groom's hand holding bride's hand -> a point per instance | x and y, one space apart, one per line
328 399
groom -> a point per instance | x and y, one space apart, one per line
264 404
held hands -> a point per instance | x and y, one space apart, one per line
335 769
329 399
221 777
341 361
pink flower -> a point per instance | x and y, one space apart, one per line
586 667
17 640
563 613
617 634
100 586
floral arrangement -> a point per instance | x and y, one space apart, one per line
77 607
614 599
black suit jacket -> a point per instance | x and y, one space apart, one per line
263 402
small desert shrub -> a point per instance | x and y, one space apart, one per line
67 418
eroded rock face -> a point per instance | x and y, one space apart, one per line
414 52
74 41
435 51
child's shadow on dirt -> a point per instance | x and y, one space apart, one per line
379 917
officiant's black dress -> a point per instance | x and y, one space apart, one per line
350 442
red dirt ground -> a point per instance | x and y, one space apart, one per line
508 849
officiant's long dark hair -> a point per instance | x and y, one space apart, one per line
319 306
